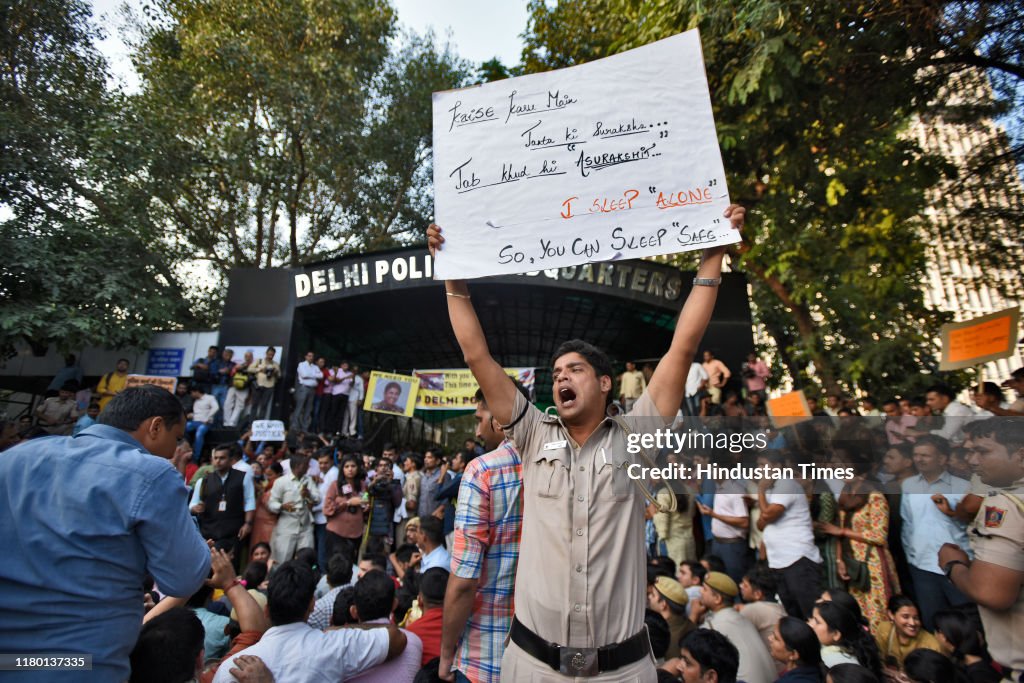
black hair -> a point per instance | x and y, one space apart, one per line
852 636
432 528
762 579
374 596
416 459
715 563
713 652
799 637
233 449
167 648
696 568
940 444
1006 431
405 552
339 570
852 673
429 673
597 358
200 597
659 633
897 602
392 385
917 402
664 564
942 389
309 557
295 461
290 592
255 574
467 456
928 666
847 602
904 448
261 544
340 613
133 406
277 469
962 628
360 479
433 585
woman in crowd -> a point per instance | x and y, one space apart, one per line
344 508
928 666
864 561
846 601
902 634
850 673
264 521
961 638
843 639
794 645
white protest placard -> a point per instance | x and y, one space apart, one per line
267 430
617 158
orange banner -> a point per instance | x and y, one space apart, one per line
788 409
168 383
980 340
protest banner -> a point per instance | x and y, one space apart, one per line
788 409
391 394
616 158
980 340
455 389
267 430
168 383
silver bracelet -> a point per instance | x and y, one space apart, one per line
707 281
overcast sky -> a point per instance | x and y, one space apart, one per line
480 30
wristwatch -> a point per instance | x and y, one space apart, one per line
948 569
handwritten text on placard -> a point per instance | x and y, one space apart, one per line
613 159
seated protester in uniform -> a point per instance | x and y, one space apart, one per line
659 635
928 666
373 601
706 657
759 606
843 638
668 599
717 597
296 653
962 639
433 585
339 575
850 673
902 634
794 645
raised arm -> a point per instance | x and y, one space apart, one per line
499 391
668 383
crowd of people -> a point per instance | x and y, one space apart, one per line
851 547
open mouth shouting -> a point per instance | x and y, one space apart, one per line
567 397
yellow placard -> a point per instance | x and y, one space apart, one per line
455 389
980 340
391 394
788 409
168 383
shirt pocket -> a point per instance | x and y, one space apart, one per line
549 473
613 482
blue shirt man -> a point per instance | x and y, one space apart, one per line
83 519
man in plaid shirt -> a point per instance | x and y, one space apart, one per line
488 522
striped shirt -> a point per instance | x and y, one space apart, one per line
488 524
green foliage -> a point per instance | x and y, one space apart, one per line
812 104
82 264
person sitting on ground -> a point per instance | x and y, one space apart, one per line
794 645
668 598
373 600
716 597
706 657
902 634
759 605
962 639
843 638
295 652
928 666
433 585
339 576
850 673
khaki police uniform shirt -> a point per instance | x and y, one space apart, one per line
582 573
997 537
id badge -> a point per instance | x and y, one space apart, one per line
222 506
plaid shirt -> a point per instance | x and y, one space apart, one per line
488 523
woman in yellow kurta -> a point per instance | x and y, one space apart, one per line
863 534
902 634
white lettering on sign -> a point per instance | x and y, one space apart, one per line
617 158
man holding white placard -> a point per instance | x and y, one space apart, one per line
580 589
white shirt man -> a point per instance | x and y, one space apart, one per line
205 408
789 543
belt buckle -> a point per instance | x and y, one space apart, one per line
578 661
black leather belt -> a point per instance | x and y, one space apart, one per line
581 661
